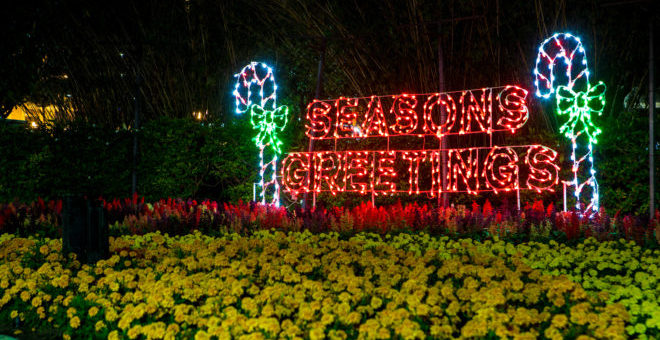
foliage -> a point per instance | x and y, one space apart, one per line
623 156
177 157
20 155
273 284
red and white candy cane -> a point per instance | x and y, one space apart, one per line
561 68
255 85
255 91
561 52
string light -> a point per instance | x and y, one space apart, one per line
577 99
512 102
356 168
346 117
385 172
472 170
481 110
445 103
578 106
268 122
403 109
487 110
544 173
251 88
318 116
465 167
328 167
414 158
255 92
375 119
374 171
502 176
562 49
295 168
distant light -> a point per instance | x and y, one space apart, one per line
34 125
199 115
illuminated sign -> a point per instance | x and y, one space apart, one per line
351 127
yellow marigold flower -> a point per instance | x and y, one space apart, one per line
376 302
453 308
353 318
202 335
93 311
559 321
343 309
99 326
306 312
36 302
111 315
603 295
134 332
173 328
559 301
327 319
66 336
63 282
475 328
267 310
13 314
579 293
74 322
317 333
67 300
337 335
25 296
124 322
422 309
44 250
553 333
41 311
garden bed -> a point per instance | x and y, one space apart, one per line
299 284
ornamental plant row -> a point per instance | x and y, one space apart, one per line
177 217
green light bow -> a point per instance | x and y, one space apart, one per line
268 122
579 106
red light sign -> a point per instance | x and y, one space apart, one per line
419 171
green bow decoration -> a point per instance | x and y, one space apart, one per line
579 106
268 123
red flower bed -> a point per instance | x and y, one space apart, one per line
177 216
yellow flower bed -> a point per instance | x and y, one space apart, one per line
299 285
627 273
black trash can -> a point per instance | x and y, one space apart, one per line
85 230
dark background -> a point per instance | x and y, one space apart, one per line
92 58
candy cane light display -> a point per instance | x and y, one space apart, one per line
576 99
255 92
